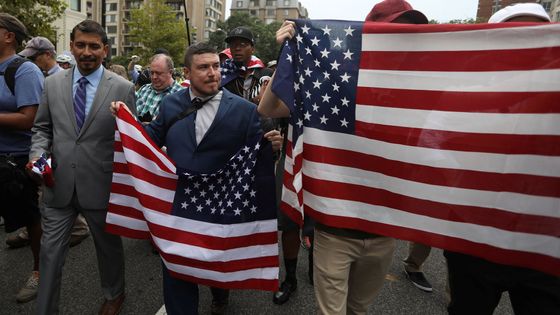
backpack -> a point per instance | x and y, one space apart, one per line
10 73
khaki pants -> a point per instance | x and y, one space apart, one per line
348 273
417 255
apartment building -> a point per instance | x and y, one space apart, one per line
115 14
552 7
269 11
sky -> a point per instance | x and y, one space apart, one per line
440 10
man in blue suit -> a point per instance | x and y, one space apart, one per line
202 127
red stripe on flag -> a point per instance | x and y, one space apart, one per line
501 219
468 102
144 151
250 284
126 211
126 232
461 141
517 183
146 201
485 60
223 266
499 255
212 242
143 174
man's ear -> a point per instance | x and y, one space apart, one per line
187 73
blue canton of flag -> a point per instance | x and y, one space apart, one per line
230 70
242 191
318 82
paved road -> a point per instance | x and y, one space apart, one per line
81 293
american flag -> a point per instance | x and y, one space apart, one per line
448 135
216 229
230 69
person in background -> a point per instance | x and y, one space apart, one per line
476 285
64 61
18 105
120 70
149 96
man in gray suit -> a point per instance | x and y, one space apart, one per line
75 126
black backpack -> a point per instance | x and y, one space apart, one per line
10 73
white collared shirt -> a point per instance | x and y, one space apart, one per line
205 115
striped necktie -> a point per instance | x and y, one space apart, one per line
80 102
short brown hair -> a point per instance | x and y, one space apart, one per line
198 49
12 24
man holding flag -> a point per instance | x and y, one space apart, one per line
221 228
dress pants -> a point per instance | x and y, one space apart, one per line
57 225
417 255
477 285
180 296
348 273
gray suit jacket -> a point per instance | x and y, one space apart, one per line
82 161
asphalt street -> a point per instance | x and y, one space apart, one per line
81 293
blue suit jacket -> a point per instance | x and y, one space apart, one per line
235 123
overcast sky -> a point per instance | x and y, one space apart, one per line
440 10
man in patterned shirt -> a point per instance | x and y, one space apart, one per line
150 95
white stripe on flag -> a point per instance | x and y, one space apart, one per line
497 123
127 222
475 81
144 187
487 162
545 35
259 273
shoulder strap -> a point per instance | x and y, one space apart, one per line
10 73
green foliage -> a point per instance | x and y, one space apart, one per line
36 15
266 47
463 21
120 60
153 26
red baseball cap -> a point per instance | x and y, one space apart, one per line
390 10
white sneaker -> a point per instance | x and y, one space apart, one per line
29 291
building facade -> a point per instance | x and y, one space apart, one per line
114 15
552 7
269 11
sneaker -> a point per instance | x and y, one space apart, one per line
77 239
29 290
419 280
286 289
18 239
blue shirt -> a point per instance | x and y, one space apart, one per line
94 78
29 87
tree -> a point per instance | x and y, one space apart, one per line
266 47
36 15
154 25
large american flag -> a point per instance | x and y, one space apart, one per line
448 135
216 229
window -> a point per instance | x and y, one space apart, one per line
110 7
546 6
254 3
76 5
253 12
270 12
113 51
270 3
110 18
239 4
111 40
206 34
286 12
287 2
111 29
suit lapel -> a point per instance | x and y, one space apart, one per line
101 94
67 98
191 121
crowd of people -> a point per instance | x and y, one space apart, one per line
63 106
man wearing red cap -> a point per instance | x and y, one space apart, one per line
349 265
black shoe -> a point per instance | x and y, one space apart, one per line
419 280
286 289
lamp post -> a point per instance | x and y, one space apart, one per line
187 24
225 35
